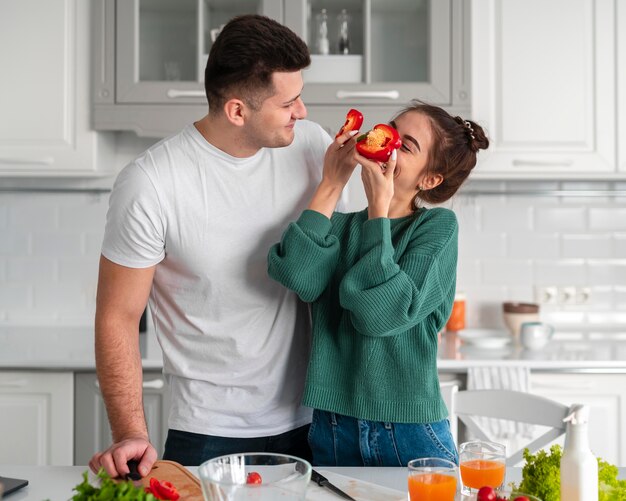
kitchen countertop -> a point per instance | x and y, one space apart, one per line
567 351
71 349
56 482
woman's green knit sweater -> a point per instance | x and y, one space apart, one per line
380 290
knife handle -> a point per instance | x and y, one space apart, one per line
133 466
318 478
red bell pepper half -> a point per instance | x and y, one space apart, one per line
379 142
354 120
162 490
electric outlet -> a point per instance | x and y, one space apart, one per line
567 295
562 295
546 294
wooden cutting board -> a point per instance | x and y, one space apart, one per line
187 484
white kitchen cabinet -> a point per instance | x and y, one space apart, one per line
45 98
150 58
36 418
606 396
545 87
621 85
92 431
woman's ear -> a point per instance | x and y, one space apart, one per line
234 111
430 181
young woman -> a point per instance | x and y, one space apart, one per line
381 283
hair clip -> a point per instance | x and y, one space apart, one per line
469 127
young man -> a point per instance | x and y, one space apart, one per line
188 228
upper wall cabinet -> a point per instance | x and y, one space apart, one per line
545 87
150 58
377 53
621 84
45 128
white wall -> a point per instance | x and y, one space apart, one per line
49 249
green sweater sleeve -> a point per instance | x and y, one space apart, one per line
388 293
306 257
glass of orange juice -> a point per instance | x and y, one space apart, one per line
481 463
432 479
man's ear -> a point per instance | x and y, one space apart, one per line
431 181
234 111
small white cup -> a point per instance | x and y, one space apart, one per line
535 335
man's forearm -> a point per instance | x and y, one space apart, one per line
118 364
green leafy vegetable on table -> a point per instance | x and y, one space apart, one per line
541 477
122 491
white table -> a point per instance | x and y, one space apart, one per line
56 482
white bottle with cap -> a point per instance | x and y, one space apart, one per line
579 467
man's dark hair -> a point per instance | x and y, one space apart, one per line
245 54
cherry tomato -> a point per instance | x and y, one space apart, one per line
253 478
486 494
521 498
162 490
354 120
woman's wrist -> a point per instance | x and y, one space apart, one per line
325 198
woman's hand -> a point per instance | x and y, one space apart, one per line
377 180
339 163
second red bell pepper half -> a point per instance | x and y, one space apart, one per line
379 142
354 120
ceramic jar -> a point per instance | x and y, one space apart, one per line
515 314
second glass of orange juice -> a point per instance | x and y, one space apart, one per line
432 479
481 463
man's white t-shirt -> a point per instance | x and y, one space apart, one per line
235 343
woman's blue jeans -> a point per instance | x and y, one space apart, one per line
338 440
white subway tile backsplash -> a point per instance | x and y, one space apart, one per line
84 212
607 272
560 219
507 272
93 242
467 272
482 245
15 295
620 297
607 218
61 297
507 217
31 269
587 246
14 243
83 269
533 245
508 244
58 244
619 245
560 272
4 214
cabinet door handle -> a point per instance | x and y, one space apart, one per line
542 163
174 93
25 161
155 384
16 383
389 94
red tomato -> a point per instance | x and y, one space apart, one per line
486 494
162 490
378 143
354 120
253 478
521 498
